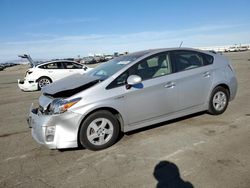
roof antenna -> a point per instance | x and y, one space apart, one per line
181 44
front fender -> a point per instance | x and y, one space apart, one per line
90 108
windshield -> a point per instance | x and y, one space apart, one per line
109 68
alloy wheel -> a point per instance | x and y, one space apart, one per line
100 131
43 82
219 101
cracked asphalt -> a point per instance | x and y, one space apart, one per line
196 151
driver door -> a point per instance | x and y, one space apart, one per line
156 96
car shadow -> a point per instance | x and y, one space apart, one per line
165 123
71 149
168 176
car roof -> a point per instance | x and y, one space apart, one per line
159 50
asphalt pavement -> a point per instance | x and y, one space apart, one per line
200 150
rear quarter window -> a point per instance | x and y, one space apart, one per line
207 59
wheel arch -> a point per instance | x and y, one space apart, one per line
115 112
225 86
219 84
44 77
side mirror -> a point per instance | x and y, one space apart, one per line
85 68
133 80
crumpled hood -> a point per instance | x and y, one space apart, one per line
70 85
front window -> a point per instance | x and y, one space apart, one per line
156 66
109 68
152 67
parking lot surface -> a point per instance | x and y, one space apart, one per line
196 151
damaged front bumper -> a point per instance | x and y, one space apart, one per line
55 131
26 85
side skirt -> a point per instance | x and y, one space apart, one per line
167 117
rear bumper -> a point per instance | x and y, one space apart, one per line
65 128
27 86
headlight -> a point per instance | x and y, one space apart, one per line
59 106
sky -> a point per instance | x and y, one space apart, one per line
63 28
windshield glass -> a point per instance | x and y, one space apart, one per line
109 68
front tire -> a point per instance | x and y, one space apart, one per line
218 101
99 130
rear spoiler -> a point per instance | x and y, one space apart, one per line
25 56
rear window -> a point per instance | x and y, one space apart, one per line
71 65
187 59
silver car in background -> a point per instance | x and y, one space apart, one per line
131 92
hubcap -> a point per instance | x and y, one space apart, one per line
219 101
43 82
100 131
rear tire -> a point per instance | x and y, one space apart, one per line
218 101
99 130
43 81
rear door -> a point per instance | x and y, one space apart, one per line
53 70
73 68
194 76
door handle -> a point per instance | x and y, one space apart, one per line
70 70
206 74
170 85
50 71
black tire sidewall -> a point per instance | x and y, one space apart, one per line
84 126
211 109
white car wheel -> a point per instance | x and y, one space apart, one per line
43 81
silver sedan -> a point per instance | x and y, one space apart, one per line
131 92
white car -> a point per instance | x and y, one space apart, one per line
242 48
40 75
233 49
